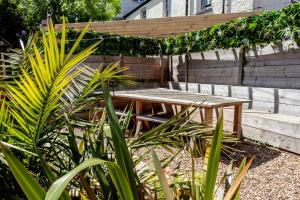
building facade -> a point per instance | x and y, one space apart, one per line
127 6
150 9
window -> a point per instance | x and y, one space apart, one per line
205 4
143 13
168 8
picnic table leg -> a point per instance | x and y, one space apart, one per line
138 111
208 116
237 121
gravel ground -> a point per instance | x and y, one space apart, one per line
274 174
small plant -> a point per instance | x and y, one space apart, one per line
202 185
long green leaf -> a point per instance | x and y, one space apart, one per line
213 160
29 185
237 182
161 176
123 157
237 192
117 175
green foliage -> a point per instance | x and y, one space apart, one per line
113 44
203 187
11 24
34 11
46 146
268 27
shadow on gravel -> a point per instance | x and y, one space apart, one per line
248 148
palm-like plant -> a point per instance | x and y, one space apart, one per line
40 119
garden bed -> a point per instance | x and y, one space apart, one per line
274 174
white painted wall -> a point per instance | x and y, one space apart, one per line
156 8
177 8
270 4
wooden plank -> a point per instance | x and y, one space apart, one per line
287 96
206 64
237 120
241 67
159 27
186 72
271 138
152 118
178 97
170 59
285 71
208 116
274 82
221 90
228 71
206 88
138 111
161 72
194 87
277 123
227 55
230 80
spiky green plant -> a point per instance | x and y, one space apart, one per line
43 138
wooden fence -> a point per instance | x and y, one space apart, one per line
148 71
161 27
275 66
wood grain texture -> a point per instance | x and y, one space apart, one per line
162 27
138 68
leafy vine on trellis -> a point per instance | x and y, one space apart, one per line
268 27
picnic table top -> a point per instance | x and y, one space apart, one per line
163 95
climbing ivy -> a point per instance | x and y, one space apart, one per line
268 27
113 44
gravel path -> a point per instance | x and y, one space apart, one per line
274 174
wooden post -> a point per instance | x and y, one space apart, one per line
241 66
208 116
121 61
186 78
138 111
170 59
237 121
161 65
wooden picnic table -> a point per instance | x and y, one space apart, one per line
184 99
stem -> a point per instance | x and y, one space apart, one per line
193 176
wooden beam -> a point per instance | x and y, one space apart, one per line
162 27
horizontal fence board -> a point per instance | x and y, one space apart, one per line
277 123
289 71
275 82
221 90
212 64
138 68
214 79
233 71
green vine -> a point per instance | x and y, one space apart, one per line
268 27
